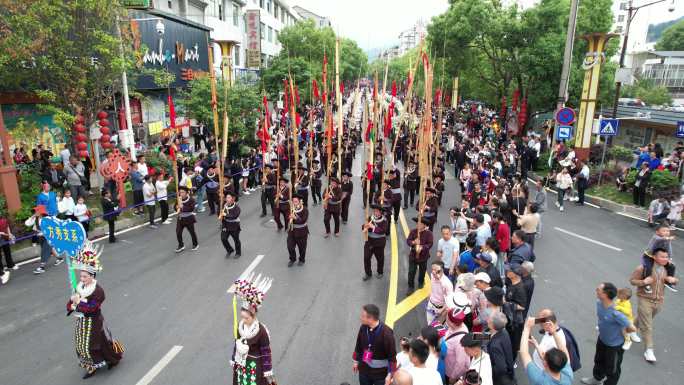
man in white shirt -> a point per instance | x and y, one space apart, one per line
548 341
419 373
447 251
459 228
440 288
65 154
479 359
142 166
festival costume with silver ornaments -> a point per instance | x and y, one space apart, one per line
94 345
252 364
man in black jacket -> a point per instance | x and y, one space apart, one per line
500 350
55 177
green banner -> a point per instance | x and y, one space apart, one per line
140 4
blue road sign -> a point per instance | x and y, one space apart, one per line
680 129
609 127
564 132
565 116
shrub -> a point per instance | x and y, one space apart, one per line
620 153
663 181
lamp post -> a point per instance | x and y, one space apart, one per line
631 13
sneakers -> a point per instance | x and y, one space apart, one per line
246 192
634 337
378 276
59 261
166 222
5 277
561 208
627 345
591 381
195 248
289 264
366 277
649 356
557 204
671 287
178 250
15 267
153 226
39 270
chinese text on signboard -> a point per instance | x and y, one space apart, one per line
253 39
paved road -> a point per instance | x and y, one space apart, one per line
157 299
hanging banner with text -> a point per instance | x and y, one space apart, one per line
253 38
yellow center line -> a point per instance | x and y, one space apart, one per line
397 310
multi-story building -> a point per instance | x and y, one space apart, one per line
320 21
666 68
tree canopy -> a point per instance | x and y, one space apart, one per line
648 92
672 38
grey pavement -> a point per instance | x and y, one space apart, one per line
157 299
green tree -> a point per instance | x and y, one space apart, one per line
66 52
672 38
243 106
648 92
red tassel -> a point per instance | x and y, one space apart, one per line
172 112
315 90
394 88
342 88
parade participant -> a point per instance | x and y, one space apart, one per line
95 348
383 197
375 244
375 351
230 226
251 361
394 178
282 203
298 231
211 184
420 241
316 184
410 184
439 188
347 189
429 209
6 239
302 184
332 200
186 218
268 187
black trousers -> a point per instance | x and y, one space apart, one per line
164 205
396 206
235 234
179 233
374 247
639 196
281 209
326 221
581 188
422 268
345 209
529 238
298 242
409 192
316 193
267 195
305 195
607 363
150 210
112 237
213 201
86 226
7 251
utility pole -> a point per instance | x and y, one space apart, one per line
127 104
567 60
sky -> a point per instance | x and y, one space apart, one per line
373 23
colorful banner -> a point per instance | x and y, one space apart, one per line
66 237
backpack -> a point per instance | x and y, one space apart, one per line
573 350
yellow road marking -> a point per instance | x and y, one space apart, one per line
397 310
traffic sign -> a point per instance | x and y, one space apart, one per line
564 132
565 116
609 127
680 129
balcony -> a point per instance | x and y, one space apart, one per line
224 30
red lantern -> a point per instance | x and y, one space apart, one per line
79 119
80 138
80 128
104 123
522 116
104 130
516 97
81 146
102 115
83 154
105 138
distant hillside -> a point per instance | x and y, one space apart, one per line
655 30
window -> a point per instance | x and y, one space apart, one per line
618 29
270 34
269 5
623 6
275 11
275 36
236 60
261 3
220 12
621 18
262 30
282 16
170 4
236 15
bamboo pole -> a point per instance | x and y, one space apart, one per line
338 95
214 111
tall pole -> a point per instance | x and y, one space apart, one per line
338 93
567 60
623 53
124 85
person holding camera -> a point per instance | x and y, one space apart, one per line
479 359
556 364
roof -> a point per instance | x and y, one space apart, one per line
166 15
669 53
647 115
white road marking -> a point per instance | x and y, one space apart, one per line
248 270
588 239
28 261
156 369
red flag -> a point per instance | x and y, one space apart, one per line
172 112
315 90
298 119
341 88
172 152
325 79
438 97
369 171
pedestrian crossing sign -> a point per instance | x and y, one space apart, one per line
609 127
564 132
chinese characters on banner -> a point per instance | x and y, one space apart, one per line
253 39
66 237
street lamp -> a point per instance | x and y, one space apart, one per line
631 12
